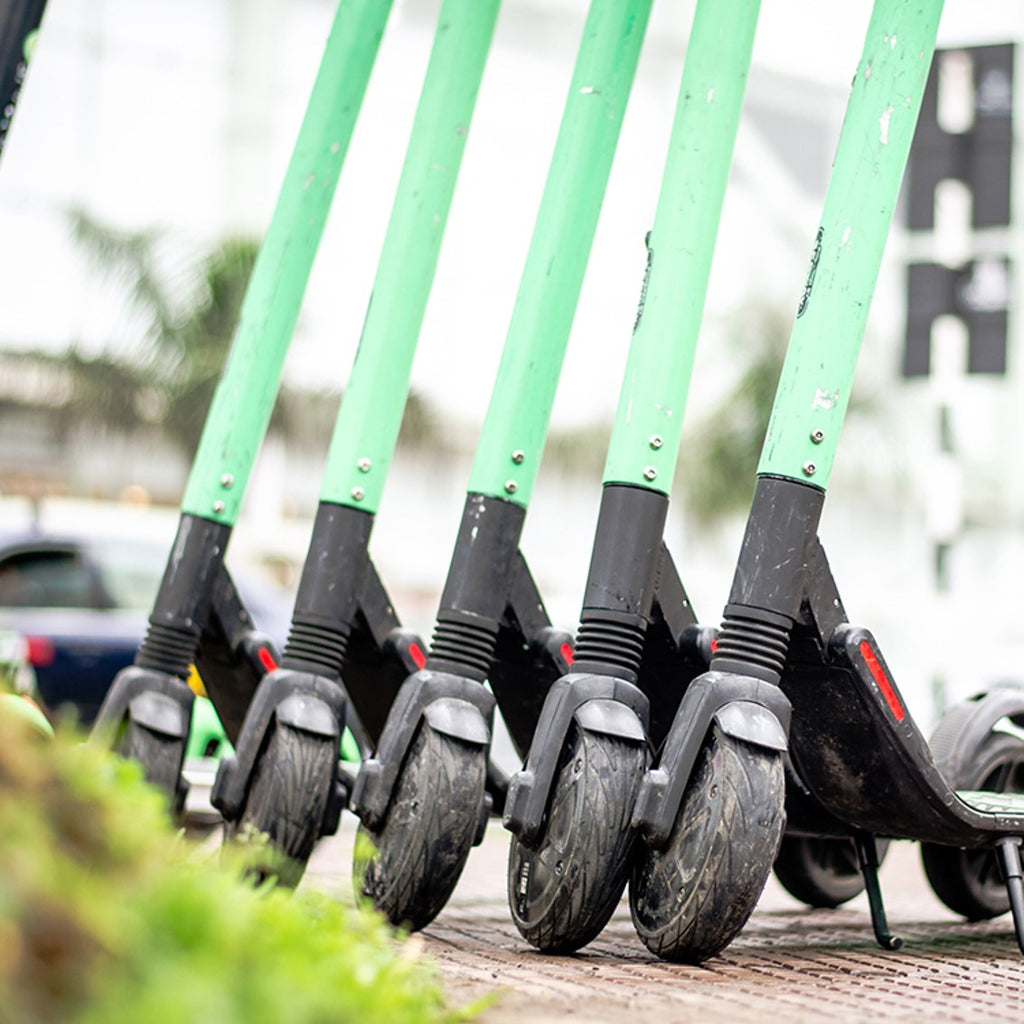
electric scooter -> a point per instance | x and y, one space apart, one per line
422 797
198 615
710 810
18 28
283 780
638 643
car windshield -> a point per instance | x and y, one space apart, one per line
47 579
131 571
108 574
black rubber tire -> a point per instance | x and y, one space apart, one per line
821 872
690 899
161 757
288 793
409 869
970 882
563 893
946 741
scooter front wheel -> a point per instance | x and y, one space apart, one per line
692 898
409 868
564 892
161 758
970 882
821 871
288 794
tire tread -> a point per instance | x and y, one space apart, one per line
572 909
716 878
410 868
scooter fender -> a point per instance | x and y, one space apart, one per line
299 700
1003 701
752 723
454 705
310 714
161 714
463 721
610 718
452 716
152 698
307 713
597 703
743 707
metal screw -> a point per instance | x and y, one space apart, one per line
817 436
511 487
227 480
810 468
656 441
364 465
358 493
518 455
650 473
219 506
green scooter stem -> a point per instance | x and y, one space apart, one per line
648 423
244 399
370 415
512 437
817 376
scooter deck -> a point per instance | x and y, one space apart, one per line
993 803
856 746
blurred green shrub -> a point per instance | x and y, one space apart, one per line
108 917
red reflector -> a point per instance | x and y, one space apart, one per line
714 646
567 653
266 659
417 655
40 651
882 680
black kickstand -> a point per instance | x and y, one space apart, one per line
867 857
1009 859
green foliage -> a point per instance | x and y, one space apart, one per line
200 344
579 450
108 917
189 319
719 457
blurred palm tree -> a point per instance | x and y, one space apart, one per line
187 319
720 453
186 322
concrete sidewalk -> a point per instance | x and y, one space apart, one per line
789 963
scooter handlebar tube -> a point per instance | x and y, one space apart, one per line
648 423
244 399
512 437
814 388
370 416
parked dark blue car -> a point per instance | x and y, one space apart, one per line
81 602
